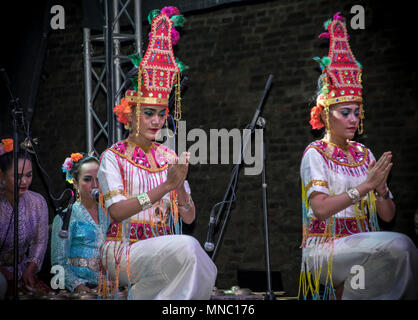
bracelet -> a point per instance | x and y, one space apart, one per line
186 206
385 195
354 195
144 201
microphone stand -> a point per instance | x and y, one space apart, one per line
269 292
230 192
18 118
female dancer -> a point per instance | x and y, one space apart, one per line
343 190
79 254
145 191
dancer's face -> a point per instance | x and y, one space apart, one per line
24 178
344 119
87 180
151 120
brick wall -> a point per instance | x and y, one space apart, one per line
231 51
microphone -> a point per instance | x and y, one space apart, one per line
209 245
64 229
95 194
261 122
257 113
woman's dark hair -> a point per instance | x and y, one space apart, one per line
75 170
6 160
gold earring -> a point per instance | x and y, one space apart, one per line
77 195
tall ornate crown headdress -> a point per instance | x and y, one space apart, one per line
158 70
341 72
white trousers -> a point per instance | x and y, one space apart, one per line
172 267
372 265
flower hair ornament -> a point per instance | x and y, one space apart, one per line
69 164
341 74
158 70
6 146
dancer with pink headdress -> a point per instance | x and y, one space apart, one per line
145 190
344 191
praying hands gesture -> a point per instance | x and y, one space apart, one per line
379 172
177 171
325 206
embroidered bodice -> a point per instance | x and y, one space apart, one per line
126 171
329 169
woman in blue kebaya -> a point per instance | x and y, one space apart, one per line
79 253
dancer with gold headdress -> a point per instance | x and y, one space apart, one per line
344 189
144 188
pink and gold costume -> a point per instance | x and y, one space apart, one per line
347 248
147 252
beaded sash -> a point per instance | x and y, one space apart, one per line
343 227
138 231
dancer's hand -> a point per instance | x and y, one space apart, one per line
379 172
29 275
82 288
177 172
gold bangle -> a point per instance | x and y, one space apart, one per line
354 195
144 201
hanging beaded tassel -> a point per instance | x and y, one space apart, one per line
361 128
138 103
177 102
326 108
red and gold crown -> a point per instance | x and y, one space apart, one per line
341 72
341 81
158 70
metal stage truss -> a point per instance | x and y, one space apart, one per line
111 62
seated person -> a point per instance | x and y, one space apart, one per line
79 253
33 224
